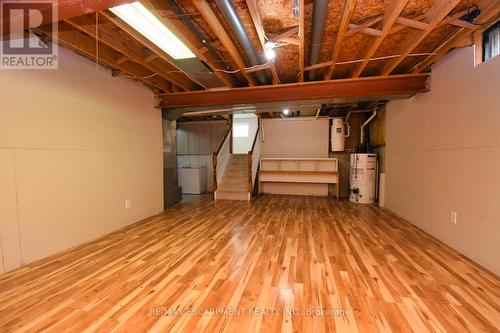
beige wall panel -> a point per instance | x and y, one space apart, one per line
9 233
295 137
83 143
443 155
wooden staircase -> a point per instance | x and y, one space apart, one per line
235 175
234 183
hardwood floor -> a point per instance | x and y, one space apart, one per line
339 266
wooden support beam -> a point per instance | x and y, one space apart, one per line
151 58
68 9
463 24
193 85
173 23
391 14
301 39
82 25
290 40
366 27
412 23
395 85
107 56
257 68
257 23
120 60
454 17
318 66
368 31
341 32
218 29
359 28
489 11
287 34
433 18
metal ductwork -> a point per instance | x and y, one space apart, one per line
320 8
194 67
182 15
229 12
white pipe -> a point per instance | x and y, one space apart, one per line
366 123
317 113
348 128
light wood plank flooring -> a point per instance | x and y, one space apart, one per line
280 263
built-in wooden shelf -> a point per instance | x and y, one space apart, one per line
299 170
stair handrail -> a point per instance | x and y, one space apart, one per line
220 158
253 161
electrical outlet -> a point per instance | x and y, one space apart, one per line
127 204
453 217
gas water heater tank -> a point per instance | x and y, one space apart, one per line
338 134
362 178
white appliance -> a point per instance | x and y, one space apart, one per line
193 179
338 134
362 178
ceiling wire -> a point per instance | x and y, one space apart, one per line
382 58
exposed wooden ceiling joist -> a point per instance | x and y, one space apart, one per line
344 25
218 29
129 53
433 18
301 40
366 25
68 9
391 14
489 12
373 86
192 83
257 23
105 55
175 25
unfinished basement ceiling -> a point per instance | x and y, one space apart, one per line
360 38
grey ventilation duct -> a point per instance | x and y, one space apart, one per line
229 12
182 15
319 14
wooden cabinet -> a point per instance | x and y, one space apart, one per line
299 170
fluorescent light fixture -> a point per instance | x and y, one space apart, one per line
142 20
285 111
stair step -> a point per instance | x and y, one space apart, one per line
234 183
227 195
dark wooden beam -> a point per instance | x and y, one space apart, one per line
363 87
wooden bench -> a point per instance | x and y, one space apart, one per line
299 170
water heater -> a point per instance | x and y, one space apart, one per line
338 134
362 178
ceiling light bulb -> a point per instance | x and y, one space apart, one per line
285 111
269 45
270 54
